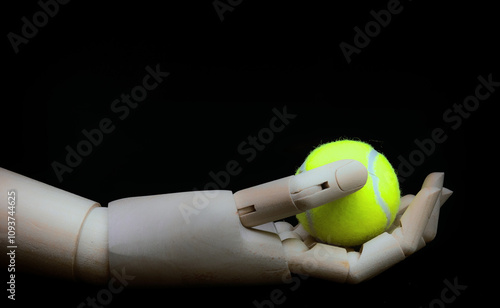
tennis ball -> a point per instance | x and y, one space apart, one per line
358 217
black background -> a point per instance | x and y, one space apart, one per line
226 77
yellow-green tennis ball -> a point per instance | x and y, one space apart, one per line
358 217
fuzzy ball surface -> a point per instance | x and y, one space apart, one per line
358 217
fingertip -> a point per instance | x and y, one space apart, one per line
352 176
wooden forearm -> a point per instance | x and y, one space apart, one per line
162 239
91 262
148 238
57 233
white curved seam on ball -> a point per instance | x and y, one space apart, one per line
302 167
308 213
372 156
310 223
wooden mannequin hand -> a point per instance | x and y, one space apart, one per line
415 225
232 239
